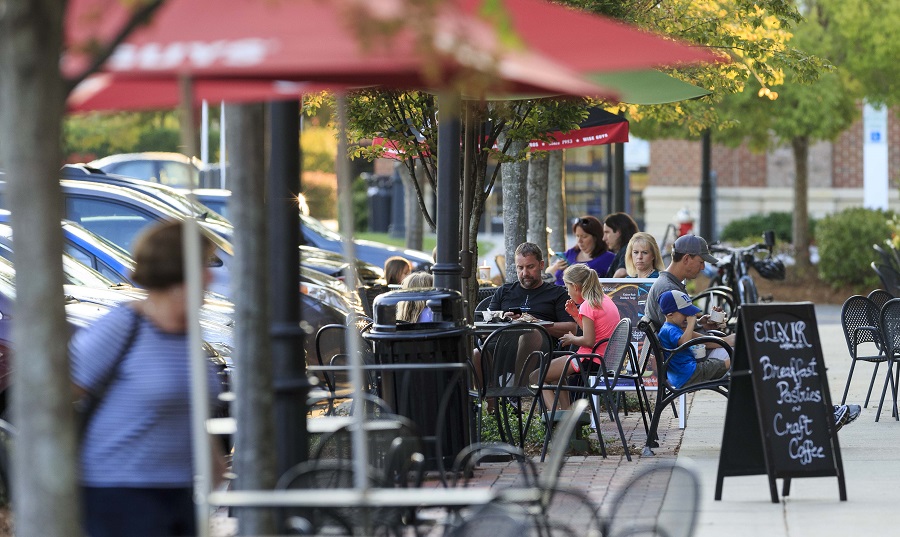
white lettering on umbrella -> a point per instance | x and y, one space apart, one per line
199 54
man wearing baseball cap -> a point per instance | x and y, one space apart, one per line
689 255
683 367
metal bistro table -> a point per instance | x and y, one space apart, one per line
484 329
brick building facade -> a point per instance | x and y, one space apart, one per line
751 183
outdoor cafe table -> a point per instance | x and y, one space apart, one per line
483 329
373 497
331 423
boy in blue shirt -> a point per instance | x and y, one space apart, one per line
681 318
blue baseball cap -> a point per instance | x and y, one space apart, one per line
672 301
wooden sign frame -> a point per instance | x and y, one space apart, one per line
779 420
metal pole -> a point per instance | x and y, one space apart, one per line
619 179
707 216
288 360
447 270
345 200
204 133
199 387
610 182
194 284
222 155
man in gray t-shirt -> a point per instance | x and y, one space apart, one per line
689 255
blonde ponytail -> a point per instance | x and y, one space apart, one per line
585 277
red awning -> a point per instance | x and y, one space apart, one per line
586 42
304 40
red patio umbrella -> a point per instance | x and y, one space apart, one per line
600 127
586 42
299 40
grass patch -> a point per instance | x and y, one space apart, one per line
534 440
428 242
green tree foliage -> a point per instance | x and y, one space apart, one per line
756 36
750 229
319 149
799 113
863 36
845 242
95 135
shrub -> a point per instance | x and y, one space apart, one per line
320 190
750 229
845 242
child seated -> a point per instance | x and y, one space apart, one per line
683 368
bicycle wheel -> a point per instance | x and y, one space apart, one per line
748 292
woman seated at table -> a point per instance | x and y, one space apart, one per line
642 257
595 313
415 311
395 269
589 249
618 228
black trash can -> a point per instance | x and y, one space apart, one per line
419 393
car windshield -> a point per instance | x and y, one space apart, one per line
7 278
319 228
80 274
192 207
109 248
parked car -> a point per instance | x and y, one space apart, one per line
172 169
177 200
317 234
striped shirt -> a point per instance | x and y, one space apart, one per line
140 432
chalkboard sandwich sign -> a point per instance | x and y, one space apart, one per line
779 420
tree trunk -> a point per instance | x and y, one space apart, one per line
515 216
412 213
253 409
31 107
537 201
801 206
556 202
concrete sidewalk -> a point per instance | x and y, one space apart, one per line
871 461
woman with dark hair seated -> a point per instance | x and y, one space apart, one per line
618 228
589 249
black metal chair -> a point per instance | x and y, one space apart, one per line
880 297
888 256
367 295
598 381
860 321
667 393
659 501
549 476
483 304
889 325
508 357
323 474
889 276
381 432
485 292
331 349
472 455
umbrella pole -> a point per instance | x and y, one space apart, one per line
194 283
447 270
345 200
